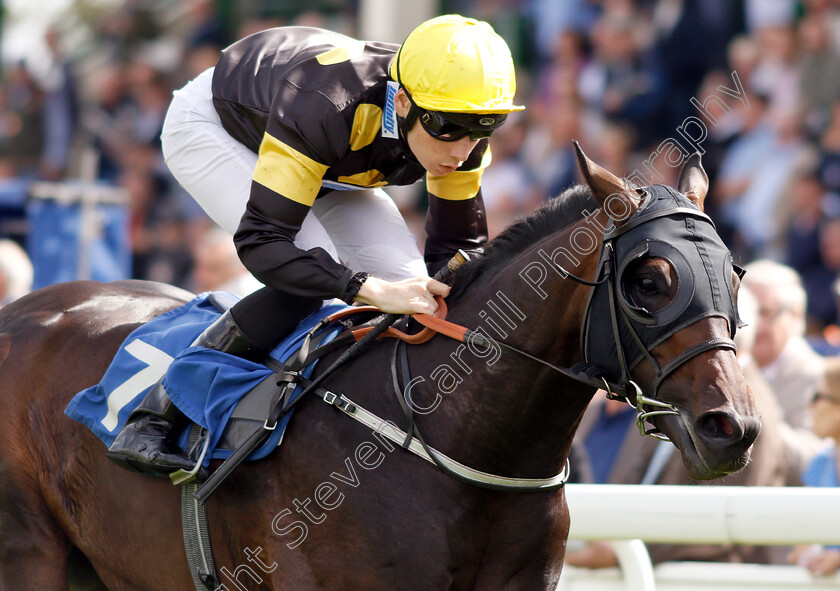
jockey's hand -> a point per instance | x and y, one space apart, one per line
409 296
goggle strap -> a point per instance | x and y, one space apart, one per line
407 122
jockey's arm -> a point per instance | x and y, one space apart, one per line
265 241
456 217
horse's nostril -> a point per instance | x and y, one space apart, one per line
718 425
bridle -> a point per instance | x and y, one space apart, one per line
609 352
704 291
632 330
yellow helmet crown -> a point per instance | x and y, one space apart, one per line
457 65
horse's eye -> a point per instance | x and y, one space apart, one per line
646 286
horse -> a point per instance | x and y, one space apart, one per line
339 507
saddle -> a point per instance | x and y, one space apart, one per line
286 381
225 395
247 399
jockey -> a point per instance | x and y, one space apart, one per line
286 144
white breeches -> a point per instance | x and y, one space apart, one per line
361 228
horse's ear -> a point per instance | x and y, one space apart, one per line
693 182
604 184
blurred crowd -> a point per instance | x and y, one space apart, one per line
108 97
754 85
797 395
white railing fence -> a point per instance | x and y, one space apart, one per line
627 514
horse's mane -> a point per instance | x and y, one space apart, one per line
554 215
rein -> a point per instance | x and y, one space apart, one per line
582 372
586 372
607 276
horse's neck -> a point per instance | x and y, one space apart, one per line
514 407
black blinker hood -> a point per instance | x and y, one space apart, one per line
687 239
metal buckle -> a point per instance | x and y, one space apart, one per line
330 397
288 377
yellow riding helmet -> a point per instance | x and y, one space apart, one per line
457 65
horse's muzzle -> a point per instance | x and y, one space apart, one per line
714 444
729 433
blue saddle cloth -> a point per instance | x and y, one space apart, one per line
204 384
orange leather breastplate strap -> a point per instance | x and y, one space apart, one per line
351 311
433 325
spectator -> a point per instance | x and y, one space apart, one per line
624 82
61 110
829 256
829 156
16 272
615 144
787 362
744 56
548 151
686 56
751 145
777 73
761 14
158 245
569 57
551 19
108 119
150 95
129 26
819 81
809 204
24 132
822 470
509 189
206 29
826 11
218 268
767 170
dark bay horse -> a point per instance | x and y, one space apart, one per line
337 507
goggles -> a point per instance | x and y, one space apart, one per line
451 127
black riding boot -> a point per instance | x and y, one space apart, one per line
147 441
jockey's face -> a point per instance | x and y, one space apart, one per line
438 157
